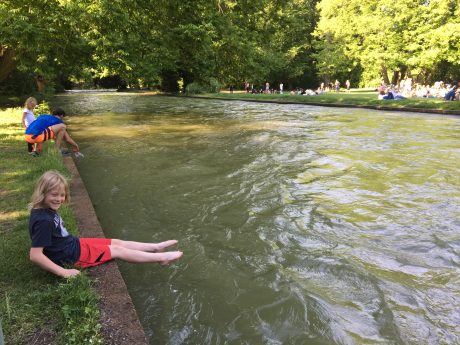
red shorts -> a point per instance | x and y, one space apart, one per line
94 251
47 134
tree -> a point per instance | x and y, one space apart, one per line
389 40
146 43
40 37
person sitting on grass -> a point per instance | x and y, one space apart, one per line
396 94
47 127
383 95
451 94
54 249
390 94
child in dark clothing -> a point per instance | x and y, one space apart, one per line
53 247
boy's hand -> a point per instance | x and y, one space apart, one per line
72 272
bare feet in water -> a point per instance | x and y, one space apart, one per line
170 257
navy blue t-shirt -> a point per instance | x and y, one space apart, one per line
46 229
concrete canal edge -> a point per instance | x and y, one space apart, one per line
119 320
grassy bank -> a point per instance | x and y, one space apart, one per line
360 98
36 307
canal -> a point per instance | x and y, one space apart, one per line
299 224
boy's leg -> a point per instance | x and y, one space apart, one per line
58 131
39 147
60 134
138 256
145 247
34 142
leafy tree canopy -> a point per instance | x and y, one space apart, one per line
388 39
147 43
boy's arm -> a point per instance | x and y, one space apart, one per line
37 257
72 142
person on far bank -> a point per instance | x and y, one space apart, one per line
58 252
47 127
28 117
451 94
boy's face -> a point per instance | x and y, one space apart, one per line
55 197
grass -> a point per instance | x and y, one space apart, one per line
36 307
357 97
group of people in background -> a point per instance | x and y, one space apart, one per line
330 86
323 87
406 89
251 88
266 89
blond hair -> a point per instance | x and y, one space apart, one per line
28 100
47 182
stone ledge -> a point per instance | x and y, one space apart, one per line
119 320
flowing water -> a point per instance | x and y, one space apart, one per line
299 225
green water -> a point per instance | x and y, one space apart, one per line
299 225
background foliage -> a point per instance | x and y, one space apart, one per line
157 44
389 40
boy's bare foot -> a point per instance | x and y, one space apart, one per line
160 247
170 257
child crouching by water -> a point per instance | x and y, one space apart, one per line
53 247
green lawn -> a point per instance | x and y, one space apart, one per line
35 306
364 98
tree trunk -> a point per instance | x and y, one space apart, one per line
384 74
395 78
169 81
7 62
41 83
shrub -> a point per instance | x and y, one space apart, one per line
42 108
210 86
214 85
194 88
